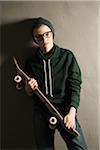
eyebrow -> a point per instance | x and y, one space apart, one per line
43 33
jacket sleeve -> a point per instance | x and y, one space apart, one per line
28 67
74 82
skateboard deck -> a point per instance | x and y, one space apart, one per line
54 112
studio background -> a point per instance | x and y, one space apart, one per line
76 28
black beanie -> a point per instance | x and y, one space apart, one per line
40 20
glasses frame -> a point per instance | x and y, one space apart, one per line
39 37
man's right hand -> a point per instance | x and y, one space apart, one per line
30 85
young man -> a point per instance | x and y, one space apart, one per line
57 74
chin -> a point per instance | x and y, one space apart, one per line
46 49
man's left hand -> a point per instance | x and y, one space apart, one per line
69 119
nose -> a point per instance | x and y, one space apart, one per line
44 38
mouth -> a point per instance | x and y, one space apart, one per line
45 44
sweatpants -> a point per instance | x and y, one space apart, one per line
44 135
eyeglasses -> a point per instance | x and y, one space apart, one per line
39 37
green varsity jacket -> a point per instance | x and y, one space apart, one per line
58 75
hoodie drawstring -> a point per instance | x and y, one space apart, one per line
45 72
50 77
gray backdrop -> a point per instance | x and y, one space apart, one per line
77 26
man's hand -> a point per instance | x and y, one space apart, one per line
69 119
30 85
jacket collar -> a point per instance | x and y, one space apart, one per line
52 54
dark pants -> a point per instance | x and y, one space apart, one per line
44 136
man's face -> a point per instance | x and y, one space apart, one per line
44 38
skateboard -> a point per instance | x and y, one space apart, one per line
56 116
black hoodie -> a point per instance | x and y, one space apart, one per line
58 75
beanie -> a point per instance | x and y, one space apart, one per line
41 21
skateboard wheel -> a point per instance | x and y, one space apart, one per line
53 121
17 79
19 86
